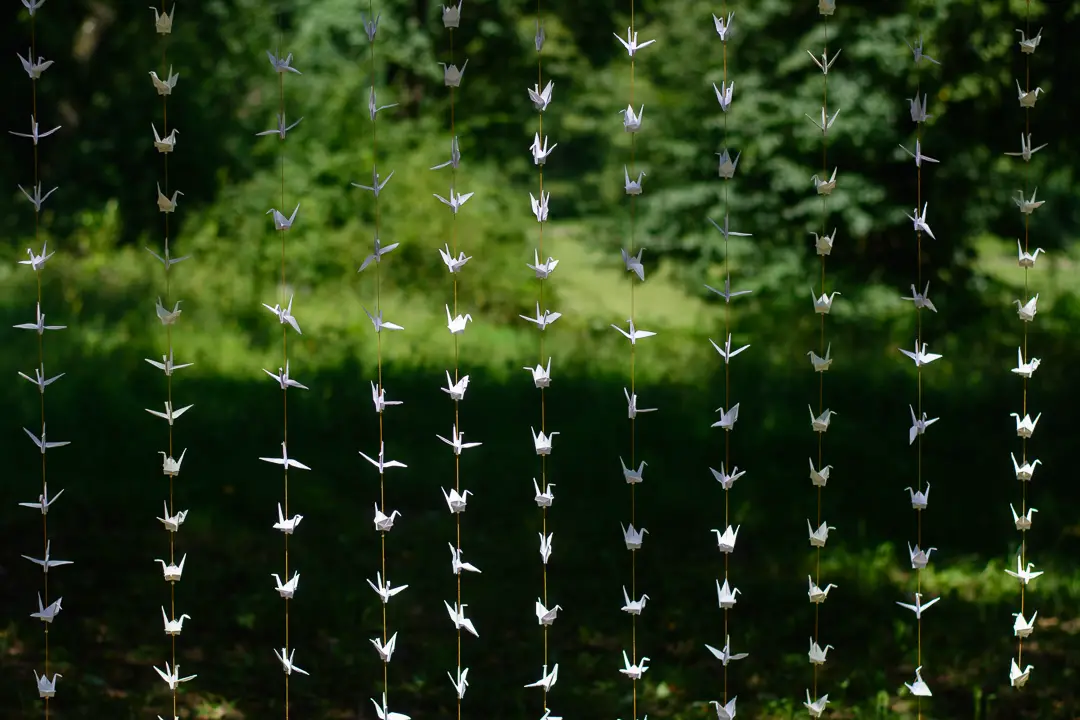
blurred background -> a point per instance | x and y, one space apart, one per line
103 285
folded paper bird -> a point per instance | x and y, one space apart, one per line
1022 522
726 479
384 712
172 523
457 616
919 607
285 461
726 595
384 522
817 594
919 688
1028 45
820 423
635 670
547 680
282 65
541 98
453 264
920 558
819 537
724 654
824 187
165 87
42 443
723 28
631 42
633 263
726 352
1025 575
728 418
287 662
823 244
724 94
380 250
172 572
173 627
387 650
48 613
1027 97
36 200
163 21
172 677
541 375
452 75
384 590
288 590
1025 427
461 683
546 546
545 616
919 499
167 364
35 134
817 653
633 607
726 539
456 201
457 564
725 712
632 120
455 156
918 425
46 687
43 501
1026 259
633 537
34 69
1023 628
1018 677
547 497
284 381
47 563
820 478
457 444
451 17
921 300
816 707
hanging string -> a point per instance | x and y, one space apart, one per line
284 345
1026 357
457 368
40 343
821 344
379 354
918 368
540 359
727 365
633 390
169 349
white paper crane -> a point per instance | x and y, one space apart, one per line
817 594
46 562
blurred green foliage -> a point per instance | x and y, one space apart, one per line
103 284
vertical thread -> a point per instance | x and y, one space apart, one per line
372 34
172 513
1026 364
37 263
540 359
821 344
633 383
